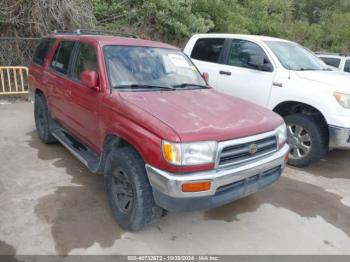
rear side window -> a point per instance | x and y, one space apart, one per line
347 66
208 49
86 60
42 50
331 61
60 61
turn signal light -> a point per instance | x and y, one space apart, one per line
196 186
286 158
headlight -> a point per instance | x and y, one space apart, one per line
281 134
189 153
343 99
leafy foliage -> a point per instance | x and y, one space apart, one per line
317 24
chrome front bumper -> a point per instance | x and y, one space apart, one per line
339 137
167 186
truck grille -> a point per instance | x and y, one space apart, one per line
241 153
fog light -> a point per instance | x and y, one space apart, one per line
196 186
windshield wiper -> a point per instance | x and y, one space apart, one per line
307 69
142 86
189 84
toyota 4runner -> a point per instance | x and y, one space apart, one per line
139 112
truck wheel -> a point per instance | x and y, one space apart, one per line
307 140
129 191
41 116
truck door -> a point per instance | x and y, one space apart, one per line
240 74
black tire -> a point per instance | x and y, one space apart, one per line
129 191
42 123
308 139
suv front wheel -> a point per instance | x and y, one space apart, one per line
307 140
129 191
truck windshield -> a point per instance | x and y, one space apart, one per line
295 57
137 68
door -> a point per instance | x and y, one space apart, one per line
207 54
56 80
246 73
83 103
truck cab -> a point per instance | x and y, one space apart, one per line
284 77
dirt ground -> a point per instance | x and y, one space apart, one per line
51 204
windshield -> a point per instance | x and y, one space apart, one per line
134 67
295 57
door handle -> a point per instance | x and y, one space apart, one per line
228 73
68 92
277 84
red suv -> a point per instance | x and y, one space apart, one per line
140 113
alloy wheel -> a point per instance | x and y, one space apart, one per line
299 141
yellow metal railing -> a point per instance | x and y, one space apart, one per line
13 80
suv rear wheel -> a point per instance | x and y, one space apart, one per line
129 191
41 116
307 140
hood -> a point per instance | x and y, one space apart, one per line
335 79
200 115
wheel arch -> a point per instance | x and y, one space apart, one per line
113 141
295 107
38 92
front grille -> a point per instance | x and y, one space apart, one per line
241 153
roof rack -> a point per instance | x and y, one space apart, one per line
93 32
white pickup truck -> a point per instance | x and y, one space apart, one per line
286 78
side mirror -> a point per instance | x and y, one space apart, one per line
90 79
205 76
258 61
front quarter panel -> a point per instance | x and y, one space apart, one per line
311 93
141 130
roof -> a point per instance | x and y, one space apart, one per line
327 54
243 36
113 40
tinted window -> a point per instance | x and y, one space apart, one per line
243 51
208 49
86 60
347 66
62 56
331 61
42 50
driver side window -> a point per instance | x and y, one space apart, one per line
86 60
244 54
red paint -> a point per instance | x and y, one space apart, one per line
144 119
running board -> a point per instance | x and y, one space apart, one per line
84 154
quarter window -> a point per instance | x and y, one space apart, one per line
347 66
86 60
331 61
208 49
242 51
42 50
62 57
